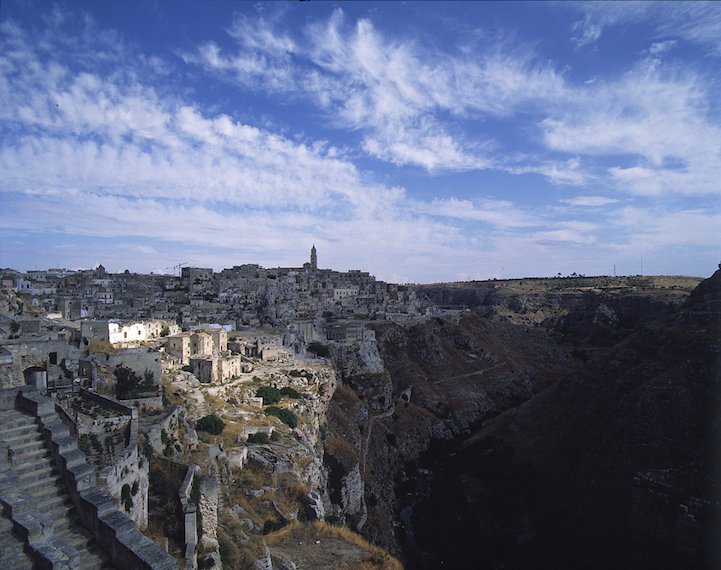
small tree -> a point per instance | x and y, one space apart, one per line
285 416
211 423
129 385
269 394
260 437
291 393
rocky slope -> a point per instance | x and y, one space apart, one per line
616 466
442 378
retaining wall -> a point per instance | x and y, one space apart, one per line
127 547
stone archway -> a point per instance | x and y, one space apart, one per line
36 376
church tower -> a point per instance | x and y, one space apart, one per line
313 259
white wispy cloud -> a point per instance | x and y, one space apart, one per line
658 48
96 144
695 22
104 154
408 102
655 122
569 171
498 213
392 91
590 201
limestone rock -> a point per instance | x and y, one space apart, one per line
313 508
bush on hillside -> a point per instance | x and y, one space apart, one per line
260 438
269 394
212 424
285 416
291 393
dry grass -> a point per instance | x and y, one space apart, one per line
342 451
321 546
215 403
98 345
289 490
230 433
258 508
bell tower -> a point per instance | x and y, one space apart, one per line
313 259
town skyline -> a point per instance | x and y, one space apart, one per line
426 142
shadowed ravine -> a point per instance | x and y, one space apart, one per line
588 443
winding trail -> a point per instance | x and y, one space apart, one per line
467 374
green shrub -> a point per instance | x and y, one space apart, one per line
291 393
259 438
301 374
274 524
84 443
269 394
212 424
285 416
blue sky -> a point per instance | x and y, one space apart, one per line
419 141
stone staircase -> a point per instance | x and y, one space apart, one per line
37 476
12 554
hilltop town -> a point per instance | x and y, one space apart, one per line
262 418
134 364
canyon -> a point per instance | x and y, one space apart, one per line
570 422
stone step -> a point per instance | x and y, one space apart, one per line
33 463
37 485
6 532
49 502
14 558
12 547
77 536
38 477
41 493
26 448
16 420
17 425
20 435
63 518
31 431
40 470
30 455
92 558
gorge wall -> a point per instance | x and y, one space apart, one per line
460 378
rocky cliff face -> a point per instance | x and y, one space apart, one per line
616 466
510 352
441 377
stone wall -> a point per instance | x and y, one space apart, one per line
190 518
169 423
115 533
138 360
27 353
129 468
209 486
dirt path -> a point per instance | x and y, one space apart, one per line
468 374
